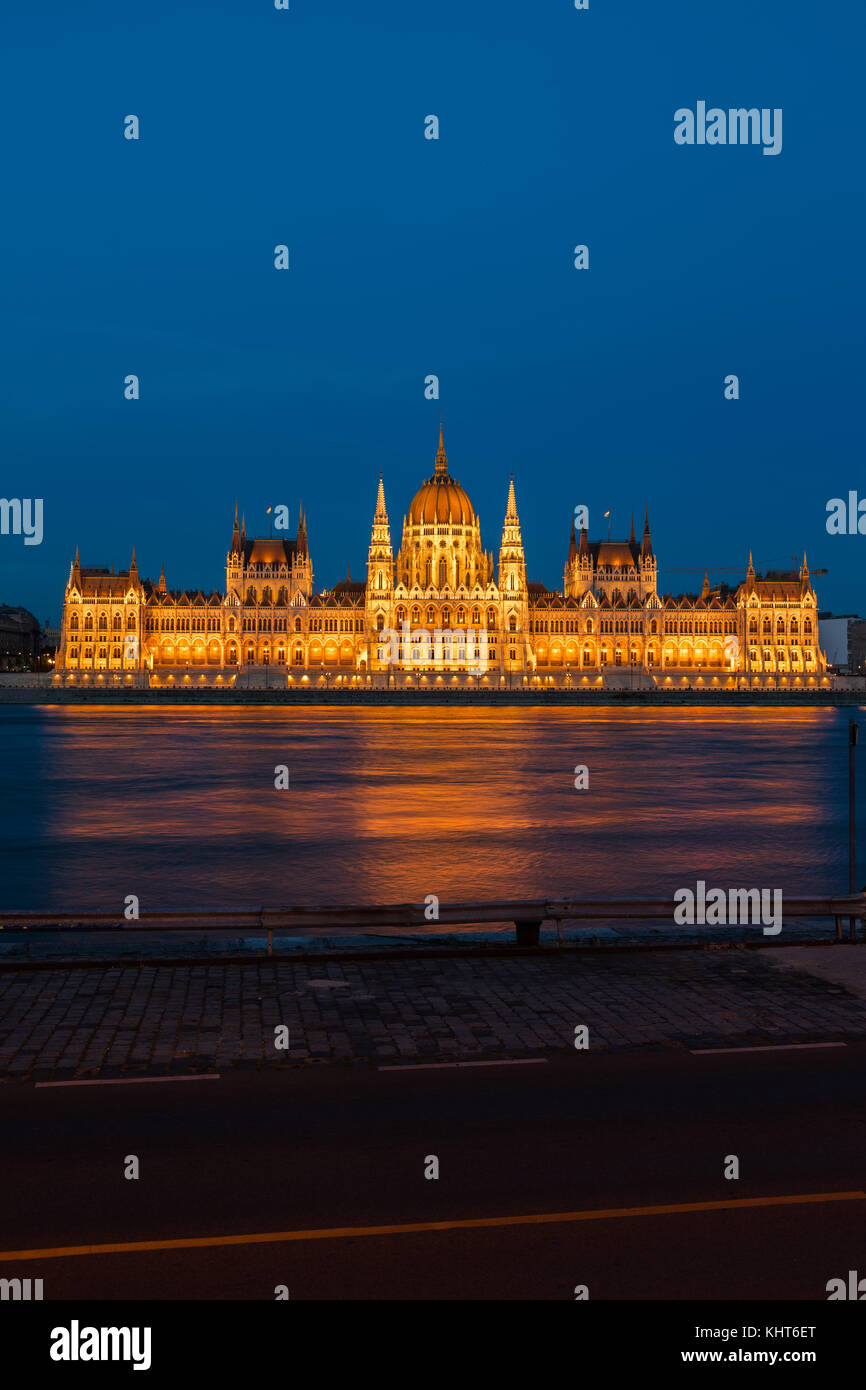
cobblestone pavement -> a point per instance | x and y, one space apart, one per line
61 1024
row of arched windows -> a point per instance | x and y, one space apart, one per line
102 625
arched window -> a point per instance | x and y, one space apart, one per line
73 622
476 617
491 619
589 626
251 594
654 627
461 616
431 616
380 580
130 622
446 617
512 623
416 615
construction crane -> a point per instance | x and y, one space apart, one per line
733 569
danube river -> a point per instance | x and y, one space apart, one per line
390 804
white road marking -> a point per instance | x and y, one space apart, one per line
131 1080
770 1047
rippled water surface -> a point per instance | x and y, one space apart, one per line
390 804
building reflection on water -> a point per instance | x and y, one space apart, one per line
388 805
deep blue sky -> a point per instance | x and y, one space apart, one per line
412 256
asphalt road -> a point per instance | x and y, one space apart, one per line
332 1148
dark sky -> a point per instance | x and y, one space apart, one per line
411 257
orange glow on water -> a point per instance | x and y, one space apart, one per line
388 804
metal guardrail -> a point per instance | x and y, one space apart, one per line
528 915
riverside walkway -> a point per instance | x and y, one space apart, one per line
149 1020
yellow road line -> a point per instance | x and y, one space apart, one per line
415 1227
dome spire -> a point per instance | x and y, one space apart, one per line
441 456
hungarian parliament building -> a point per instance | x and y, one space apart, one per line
440 611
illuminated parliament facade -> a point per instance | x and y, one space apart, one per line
439 610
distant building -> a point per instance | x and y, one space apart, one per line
843 640
20 639
833 634
428 606
50 641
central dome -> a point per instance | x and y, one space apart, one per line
441 499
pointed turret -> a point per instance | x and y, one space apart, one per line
583 548
750 575
572 543
705 591
632 540
236 535
75 570
243 528
133 567
805 582
161 585
303 545
646 549
512 562
380 556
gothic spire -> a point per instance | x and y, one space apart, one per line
646 549
381 509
